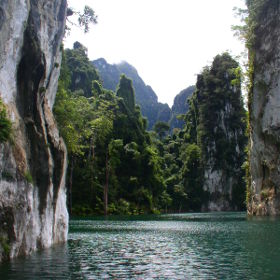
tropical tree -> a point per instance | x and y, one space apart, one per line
161 128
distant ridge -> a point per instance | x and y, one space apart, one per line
145 96
180 106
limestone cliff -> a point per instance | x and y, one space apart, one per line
264 103
216 123
33 210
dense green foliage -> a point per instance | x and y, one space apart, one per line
117 167
213 137
216 121
218 89
125 90
5 124
81 72
161 128
108 146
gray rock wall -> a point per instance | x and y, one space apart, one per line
220 123
33 210
219 183
264 106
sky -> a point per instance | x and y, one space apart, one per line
167 41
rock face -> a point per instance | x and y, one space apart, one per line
216 123
264 102
33 210
144 94
180 106
224 122
223 181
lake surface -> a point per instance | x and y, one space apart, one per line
183 246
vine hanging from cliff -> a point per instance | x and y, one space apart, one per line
5 124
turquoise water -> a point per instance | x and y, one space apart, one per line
185 246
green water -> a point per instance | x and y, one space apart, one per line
186 246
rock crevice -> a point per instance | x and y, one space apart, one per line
32 168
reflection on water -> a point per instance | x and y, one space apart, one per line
185 246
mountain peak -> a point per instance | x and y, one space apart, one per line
100 61
144 94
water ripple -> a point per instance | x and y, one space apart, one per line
186 246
